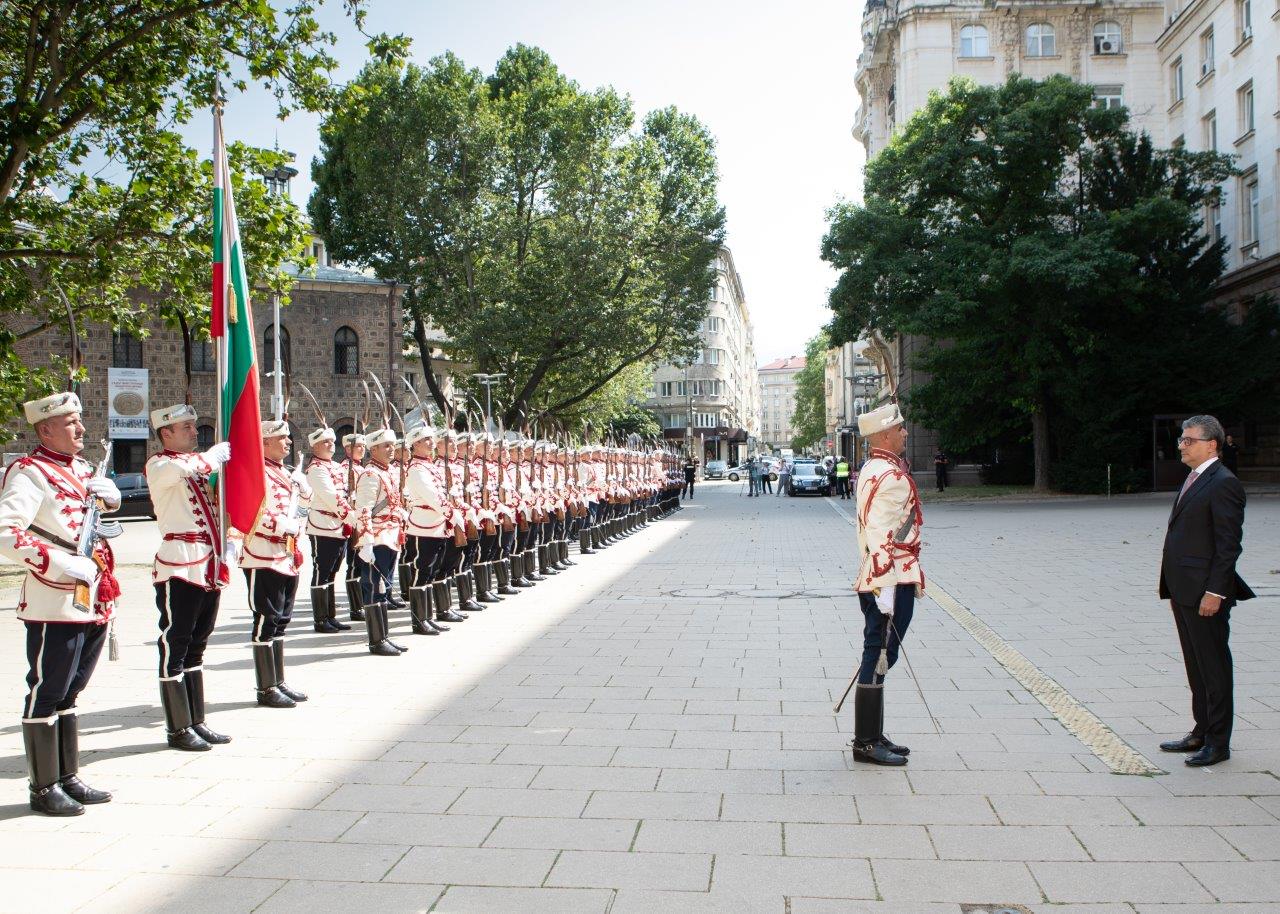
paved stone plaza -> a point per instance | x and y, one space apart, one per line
653 731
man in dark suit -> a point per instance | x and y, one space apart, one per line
1198 577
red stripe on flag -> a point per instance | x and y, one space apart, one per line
246 487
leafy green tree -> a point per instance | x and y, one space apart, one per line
99 196
810 416
1036 242
527 218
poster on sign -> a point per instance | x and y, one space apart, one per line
127 400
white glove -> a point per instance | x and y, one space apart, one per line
365 553
75 566
884 600
288 526
105 489
230 553
300 480
220 453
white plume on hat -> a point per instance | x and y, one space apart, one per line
172 415
880 419
53 405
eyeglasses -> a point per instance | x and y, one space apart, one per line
1185 440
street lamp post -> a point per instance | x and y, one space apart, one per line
488 380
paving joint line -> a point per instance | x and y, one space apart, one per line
1082 723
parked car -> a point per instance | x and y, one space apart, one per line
135 496
715 469
741 470
808 477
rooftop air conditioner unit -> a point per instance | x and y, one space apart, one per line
1106 46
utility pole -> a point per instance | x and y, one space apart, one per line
488 380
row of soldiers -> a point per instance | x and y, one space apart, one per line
434 515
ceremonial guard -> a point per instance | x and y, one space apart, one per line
270 559
67 597
889 574
427 530
380 528
350 470
466 529
189 572
488 545
329 528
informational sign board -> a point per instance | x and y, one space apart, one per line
128 399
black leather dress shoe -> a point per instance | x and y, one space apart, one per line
1189 743
894 747
1209 755
876 754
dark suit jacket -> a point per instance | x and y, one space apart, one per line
1204 540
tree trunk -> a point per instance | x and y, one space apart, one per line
1040 444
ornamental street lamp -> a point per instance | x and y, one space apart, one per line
488 380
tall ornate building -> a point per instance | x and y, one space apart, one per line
778 401
1202 73
714 402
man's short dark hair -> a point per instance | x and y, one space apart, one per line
1209 427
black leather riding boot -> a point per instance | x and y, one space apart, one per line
264 673
868 715
354 601
40 739
502 568
482 574
584 542
383 609
177 717
277 653
195 698
69 762
443 598
331 604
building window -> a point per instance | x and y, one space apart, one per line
1106 38
1213 219
126 352
1041 40
1108 97
341 430
974 41
1206 53
1250 210
202 356
1244 99
346 351
1244 19
1176 89
204 437
269 348
1210 122
664 388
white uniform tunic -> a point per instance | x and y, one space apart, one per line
47 490
268 546
378 508
429 510
889 522
329 511
186 513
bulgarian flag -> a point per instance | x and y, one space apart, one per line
244 479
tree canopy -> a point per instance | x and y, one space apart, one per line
529 219
99 195
1037 242
809 420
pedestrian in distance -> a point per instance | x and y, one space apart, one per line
831 476
690 475
784 475
753 478
842 478
766 483
940 464
1198 577
889 575
1231 454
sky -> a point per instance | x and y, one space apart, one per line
772 81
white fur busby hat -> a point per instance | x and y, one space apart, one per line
322 434
53 405
172 415
275 428
880 419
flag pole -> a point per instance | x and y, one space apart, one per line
220 351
